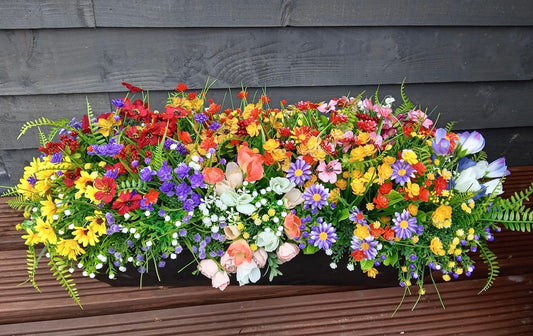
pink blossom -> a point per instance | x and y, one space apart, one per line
208 268
383 112
260 256
220 280
328 172
327 107
228 263
367 104
287 251
420 117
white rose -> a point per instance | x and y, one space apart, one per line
281 185
268 240
248 272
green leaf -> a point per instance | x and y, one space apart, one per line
345 213
366 264
311 249
391 259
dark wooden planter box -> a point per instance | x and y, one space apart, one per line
302 270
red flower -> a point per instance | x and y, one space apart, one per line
126 202
107 188
381 201
265 99
358 255
424 194
440 185
420 168
133 89
85 125
151 196
191 95
388 233
243 95
385 188
184 137
181 87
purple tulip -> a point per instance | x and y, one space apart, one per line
440 145
497 168
471 143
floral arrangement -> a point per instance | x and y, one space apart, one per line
248 188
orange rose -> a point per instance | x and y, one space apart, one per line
251 163
240 251
292 225
212 175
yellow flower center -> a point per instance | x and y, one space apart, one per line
317 197
404 224
323 236
298 172
365 246
402 172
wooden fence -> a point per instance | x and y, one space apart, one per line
472 60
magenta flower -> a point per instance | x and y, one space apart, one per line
327 107
328 172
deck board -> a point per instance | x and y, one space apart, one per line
505 309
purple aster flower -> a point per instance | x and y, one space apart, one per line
299 172
168 188
182 233
214 126
178 250
402 172
110 220
196 198
188 205
75 124
110 150
323 236
404 225
146 205
116 263
367 245
146 174
113 173
165 172
161 264
181 149
197 180
32 180
119 103
182 170
358 216
182 191
161 213
201 118
316 196
56 157
169 142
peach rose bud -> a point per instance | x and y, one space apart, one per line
287 251
260 257
220 280
208 267
292 225
212 175
228 263
231 232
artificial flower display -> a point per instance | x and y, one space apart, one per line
246 189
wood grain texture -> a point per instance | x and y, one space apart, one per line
34 14
97 60
276 13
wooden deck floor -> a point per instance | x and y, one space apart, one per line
506 309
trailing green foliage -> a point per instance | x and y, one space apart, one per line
489 258
60 271
32 261
42 122
407 105
519 219
19 202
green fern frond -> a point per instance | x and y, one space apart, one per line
32 262
519 219
135 184
42 138
516 200
481 156
489 258
157 157
449 126
376 95
42 122
10 191
407 105
19 202
60 271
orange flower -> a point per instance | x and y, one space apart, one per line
184 137
213 175
151 196
251 163
240 251
292 225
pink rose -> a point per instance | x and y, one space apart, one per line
260 257
228 263
220 280
287 251
208 267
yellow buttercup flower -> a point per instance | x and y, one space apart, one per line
270 145
412 189
97 223
341 184
45 231
253 129
48 208
105 125
361 231
369 150
69 248
85 236
389 160
31 237
385 171
409 156
436 246
442 216
363 138
358 187
357 154
371 273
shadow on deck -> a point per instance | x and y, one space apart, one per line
505 309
